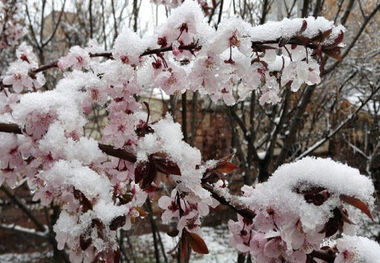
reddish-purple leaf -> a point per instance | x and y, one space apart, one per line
164 164
339 38
334 53
141 170
86 204
145 172
116 256
149 178
84 242
226 167
345 217
185 248
303 27
117 222
315 195
99 226
334 224
197 243
326 34
356 203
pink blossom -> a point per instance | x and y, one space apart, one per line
170 205
18 76
77 58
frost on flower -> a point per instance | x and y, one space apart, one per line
185 24
77 58
354 249
128 47
92 216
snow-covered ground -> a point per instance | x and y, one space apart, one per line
217 240
25 258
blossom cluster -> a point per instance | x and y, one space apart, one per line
298 208
99 194
20 76
11 18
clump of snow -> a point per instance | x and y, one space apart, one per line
65 227
167 138
55 142
279 191
288 28
128 47
191 15
234 31
339 178
288 223
73 173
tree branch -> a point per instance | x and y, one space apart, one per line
56 26
337 129
26 210
290 138
229 202
326 256
348 49
130 157
24 230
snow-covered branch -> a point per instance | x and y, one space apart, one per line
24 230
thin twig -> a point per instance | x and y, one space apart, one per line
318 144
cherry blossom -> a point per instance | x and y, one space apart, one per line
20 73
170 205
77 58
11 29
